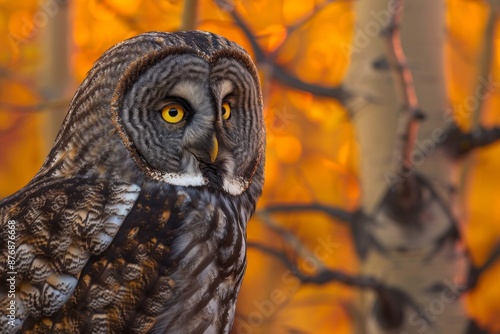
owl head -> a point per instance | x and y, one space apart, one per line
186 107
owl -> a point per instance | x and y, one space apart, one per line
136 222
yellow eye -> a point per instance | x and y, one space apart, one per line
173 113
226 111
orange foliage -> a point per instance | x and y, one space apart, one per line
312 153
482 211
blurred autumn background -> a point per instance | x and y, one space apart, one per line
301 49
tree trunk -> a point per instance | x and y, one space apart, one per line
408 237
55 79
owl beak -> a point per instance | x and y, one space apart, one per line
215 149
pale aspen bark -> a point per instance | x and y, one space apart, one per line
414 249
374 104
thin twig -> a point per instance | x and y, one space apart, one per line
291 239
279 255
333 212
5 106
494 256
278 72
388 295
481 89
300 23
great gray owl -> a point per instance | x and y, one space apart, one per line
136 221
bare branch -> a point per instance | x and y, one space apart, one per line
392 300
333 212
492 259
291 239
277 71
324 276
301 22
279 255
459 143
484 137
476 272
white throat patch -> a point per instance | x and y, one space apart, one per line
186 180
233 186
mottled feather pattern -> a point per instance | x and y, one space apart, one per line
130 226
138 282
56 234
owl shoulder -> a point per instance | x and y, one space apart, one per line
53 226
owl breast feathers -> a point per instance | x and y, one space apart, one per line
136 221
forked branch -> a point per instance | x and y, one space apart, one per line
301 22
277 71
475 272
333 212
391 300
